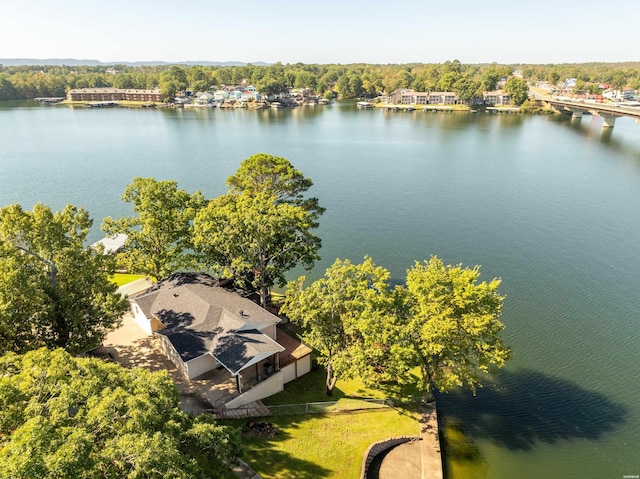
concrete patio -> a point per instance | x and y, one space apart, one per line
132 347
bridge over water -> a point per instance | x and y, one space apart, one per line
608 111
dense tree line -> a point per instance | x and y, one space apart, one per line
347 81
62 416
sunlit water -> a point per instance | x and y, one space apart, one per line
550 205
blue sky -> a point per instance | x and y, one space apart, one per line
331 31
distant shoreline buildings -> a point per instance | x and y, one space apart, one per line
115 94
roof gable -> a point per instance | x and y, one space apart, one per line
200 317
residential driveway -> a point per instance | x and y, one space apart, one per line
130 346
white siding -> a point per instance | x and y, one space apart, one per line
262 390
304 365
289 373
140 319
172 354
200 365
298 368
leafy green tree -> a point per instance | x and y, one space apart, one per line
448 80
305 79
123 80
490 77
255 238
449 327
553 78
160 235
62 417
54 292
405 78
344 316
518 89
274 175
466 89
200 85
271 85
619 80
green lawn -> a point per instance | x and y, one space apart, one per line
311 388
124 278
323 446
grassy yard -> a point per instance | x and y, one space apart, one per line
124 278
322 445
311 388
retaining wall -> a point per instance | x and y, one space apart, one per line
380 447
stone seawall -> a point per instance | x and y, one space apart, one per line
380 447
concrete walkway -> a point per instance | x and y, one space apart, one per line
244 471
414 460
430 442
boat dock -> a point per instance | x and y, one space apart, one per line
50 100
101 104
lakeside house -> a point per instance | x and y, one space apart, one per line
410 97
496 98
206 329
115 94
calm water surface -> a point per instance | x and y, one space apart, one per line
550 205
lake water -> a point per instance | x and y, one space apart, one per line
550 205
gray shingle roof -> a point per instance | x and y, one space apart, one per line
200 317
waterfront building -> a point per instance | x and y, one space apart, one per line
115 94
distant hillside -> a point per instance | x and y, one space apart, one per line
12 62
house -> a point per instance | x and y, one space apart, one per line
204 98
112 244
206 328
497 97
443 98
410 97
220 95
114 94
625 94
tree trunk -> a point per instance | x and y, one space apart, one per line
264 295
428 384
331 380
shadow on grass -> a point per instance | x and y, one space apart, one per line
263 454
525 407
311 388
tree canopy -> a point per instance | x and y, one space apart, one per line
255 239
450 326
518 89
62 417
54 292
160 236
344 316
262 227
443 323
274 175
